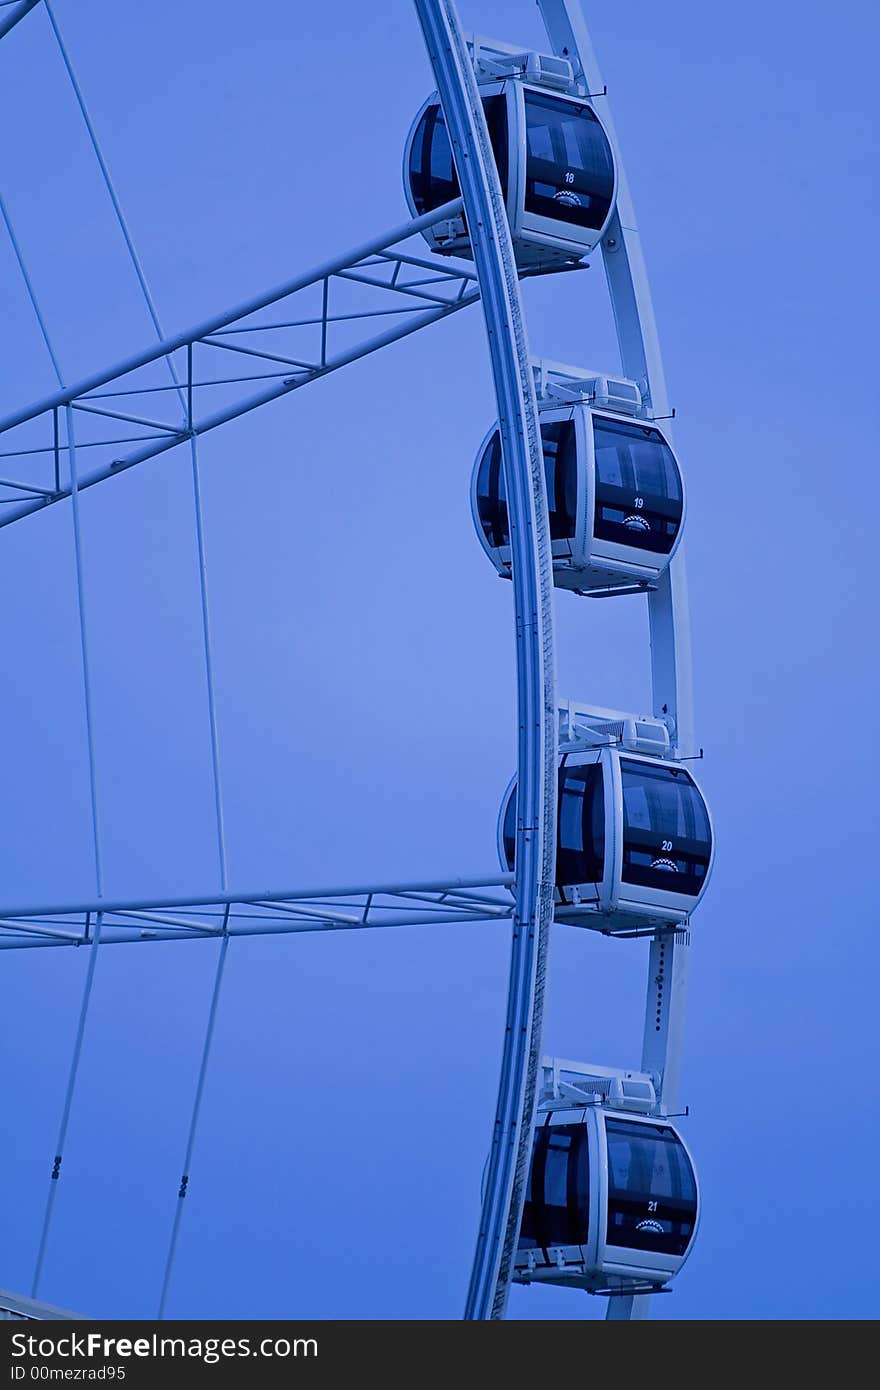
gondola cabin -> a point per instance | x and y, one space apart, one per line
612 1203
553 158
634 835
615 494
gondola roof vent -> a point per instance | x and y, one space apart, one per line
578 1083
494 60
556 382
590 725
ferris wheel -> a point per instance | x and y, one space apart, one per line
512 170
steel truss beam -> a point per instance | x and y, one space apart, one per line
14 13
132 404
258 912
218 362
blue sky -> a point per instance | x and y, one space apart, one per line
364 667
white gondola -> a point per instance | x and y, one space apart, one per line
634 835
614 487
612 1204
554 160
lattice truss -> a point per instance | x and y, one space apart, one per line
161 398
224 368
168 396
258 913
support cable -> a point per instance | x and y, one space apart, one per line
28 284
90 748
78 550
68 1105
209 665
186 409
84 650
194 1119
111 192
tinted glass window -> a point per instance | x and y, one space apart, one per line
560 470
491 495
569 170
580 851
638 486
557 1206
508 830
580 844
666 837
652 1193
432 177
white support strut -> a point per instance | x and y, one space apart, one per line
668 606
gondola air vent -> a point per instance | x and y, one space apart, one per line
493 61
619 1090
638 734
616 394
556 382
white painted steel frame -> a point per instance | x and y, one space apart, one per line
379 264
257 911
393 284
16 1308
532 575
531 552
523 465
668 605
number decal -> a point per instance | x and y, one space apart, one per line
569 178
666 844
652 1206
639 503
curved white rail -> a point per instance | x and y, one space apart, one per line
532 575
523 464
452 900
